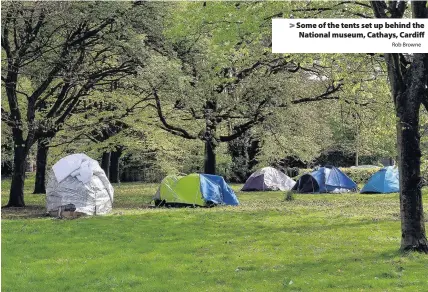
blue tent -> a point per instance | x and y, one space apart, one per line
383 181
325 180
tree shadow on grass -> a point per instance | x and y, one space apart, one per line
132 206
304 227
27 212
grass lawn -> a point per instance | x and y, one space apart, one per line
314 243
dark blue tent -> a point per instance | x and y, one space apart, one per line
325 180
383 181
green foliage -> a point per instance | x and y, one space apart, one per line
358 175
300 131
367 123
6 145
233 80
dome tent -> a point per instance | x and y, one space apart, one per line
268 179
196 190
384 181
77 185
327 179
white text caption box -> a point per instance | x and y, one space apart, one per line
352 36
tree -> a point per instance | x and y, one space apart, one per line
226 90
243 152
65 50
408 77
115 164
41 161
365 128
109 159
247 112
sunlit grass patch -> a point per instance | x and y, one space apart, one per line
321 242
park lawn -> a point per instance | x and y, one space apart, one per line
345 242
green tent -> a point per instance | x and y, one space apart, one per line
195 189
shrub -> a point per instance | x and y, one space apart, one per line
289 196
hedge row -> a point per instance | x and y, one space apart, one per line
358 175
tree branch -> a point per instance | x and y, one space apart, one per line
257 117
241 129
69 141
170 128
5 117
275 65
325 96
59 99
31 34
5 36
91 33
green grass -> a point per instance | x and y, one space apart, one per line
313 243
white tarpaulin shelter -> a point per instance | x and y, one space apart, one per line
268 179
78 182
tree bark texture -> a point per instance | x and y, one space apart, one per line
16 196
114 166
210 157
105 163
41 163
407 98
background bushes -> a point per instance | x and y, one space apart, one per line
358 175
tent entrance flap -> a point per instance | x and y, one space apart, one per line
307 184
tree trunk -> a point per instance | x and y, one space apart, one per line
114 166
105 163
412 214
16 195
407 103
408 80
210 132
209 161
42 157
357 150
356 158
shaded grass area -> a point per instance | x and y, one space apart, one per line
315 242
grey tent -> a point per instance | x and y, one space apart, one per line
268 179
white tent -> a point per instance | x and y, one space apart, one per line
78 184
268 179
